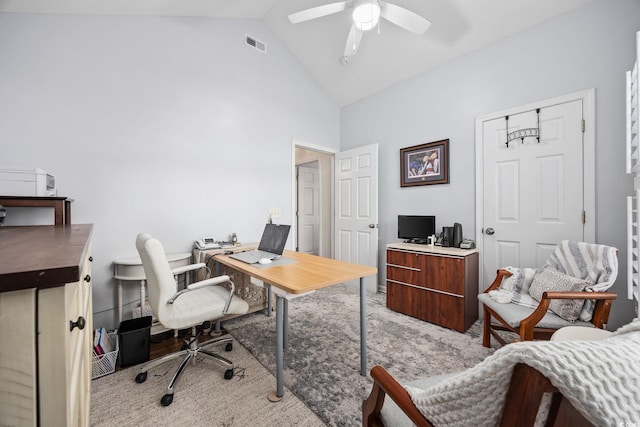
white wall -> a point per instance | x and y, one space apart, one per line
171 126
591 47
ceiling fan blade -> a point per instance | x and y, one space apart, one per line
405 18
317 12
353 41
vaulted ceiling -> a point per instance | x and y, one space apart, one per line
383 59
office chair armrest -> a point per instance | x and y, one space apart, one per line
500 274
192 267
384 384
214 281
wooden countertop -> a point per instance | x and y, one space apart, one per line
42 256
438 250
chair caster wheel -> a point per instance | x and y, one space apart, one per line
228 347
166 399
141 377
228 374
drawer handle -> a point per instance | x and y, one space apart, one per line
87 278
80 323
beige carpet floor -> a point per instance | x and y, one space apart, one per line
202 397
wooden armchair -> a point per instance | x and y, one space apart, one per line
523 400
538 323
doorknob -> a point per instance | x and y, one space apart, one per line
490 231
372 226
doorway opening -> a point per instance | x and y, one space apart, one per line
313 199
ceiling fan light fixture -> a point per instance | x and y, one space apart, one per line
366 14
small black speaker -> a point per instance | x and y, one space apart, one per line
447 237
457 235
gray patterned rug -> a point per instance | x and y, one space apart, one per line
322 361
202 397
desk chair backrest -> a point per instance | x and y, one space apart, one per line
161 283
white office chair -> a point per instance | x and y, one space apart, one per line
199 302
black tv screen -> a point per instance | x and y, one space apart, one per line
416 228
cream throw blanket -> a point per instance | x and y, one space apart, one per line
595 263
601 379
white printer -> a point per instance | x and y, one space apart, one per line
26 182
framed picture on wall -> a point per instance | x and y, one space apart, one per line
425 164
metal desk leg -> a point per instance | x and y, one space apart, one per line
285 332
142 297
268 299
119 302
363 328
277 395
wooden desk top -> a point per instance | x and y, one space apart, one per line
42 256
309 273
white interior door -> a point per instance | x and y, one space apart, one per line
533 191
356 208
309 210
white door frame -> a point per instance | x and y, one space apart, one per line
589 190
294 196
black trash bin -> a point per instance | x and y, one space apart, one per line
134 337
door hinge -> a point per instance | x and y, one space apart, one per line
583 125
584 217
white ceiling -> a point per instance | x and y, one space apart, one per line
458 27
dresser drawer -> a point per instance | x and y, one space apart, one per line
441 309
406 267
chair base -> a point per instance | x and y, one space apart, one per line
189 354
491 329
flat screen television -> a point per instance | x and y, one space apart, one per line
416 228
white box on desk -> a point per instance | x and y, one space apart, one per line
27 182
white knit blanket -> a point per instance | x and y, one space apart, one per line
601 379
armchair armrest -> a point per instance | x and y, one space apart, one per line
500 274
214 281
192 267
384 384
600 313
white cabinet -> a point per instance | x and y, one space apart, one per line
45 325
633 167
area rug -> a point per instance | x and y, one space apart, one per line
322 360
202 397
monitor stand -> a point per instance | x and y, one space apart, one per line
416 240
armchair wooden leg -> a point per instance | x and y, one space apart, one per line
486 332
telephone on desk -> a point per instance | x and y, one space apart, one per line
210 243
206 243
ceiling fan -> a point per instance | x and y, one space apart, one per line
366 16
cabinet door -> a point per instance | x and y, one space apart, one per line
18 405
64 353
444 274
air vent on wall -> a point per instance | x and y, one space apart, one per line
255 43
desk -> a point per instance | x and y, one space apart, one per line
61 205
292 280
131 269
258 298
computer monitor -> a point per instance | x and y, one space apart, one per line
416 228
